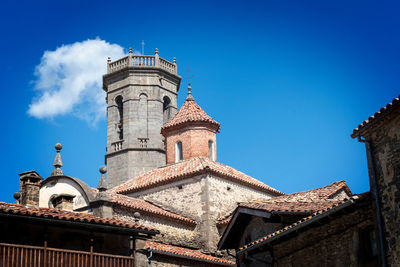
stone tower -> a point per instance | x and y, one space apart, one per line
141 98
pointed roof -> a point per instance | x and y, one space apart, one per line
190 112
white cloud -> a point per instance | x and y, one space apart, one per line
69 80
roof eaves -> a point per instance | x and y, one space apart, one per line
297 225
384 111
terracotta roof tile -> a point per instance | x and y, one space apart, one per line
300 202
186 252
147 208
306 201
189 112
224 221
64 215
297 224
377 116
189 168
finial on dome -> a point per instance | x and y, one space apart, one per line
57 162
102 186
189 97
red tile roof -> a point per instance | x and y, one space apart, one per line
377 116
63 215
186 253
300 202
189 168
189 112
306 201
147 208
303 222
224 221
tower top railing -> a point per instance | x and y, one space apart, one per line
142 61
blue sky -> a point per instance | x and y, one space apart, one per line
287 80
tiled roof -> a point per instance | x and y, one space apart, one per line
189 168
306 201
300 202
186 253
63 215
377 116
303 222
147 208
189 112
224 221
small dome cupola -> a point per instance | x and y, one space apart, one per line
190 133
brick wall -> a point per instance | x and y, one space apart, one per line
194 142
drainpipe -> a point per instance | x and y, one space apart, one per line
371 166
149 257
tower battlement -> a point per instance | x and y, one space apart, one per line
142 61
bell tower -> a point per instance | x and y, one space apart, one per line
141 98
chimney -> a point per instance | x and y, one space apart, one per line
29 188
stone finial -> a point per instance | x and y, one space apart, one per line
57 162
102 186
174 60
109 60
130 50
189 96
156 52
17 197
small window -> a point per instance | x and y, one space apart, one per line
166 109
211 150
178 152
120 106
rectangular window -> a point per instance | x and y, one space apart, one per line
178 152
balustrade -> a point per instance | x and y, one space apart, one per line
141 61
117 145
31 256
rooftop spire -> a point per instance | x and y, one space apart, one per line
57 162
189 96
102 186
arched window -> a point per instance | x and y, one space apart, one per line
211 150
143 115
166 109
120 106
178 152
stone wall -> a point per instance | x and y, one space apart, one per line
337 242
205 199
385 147
141 148
223 196
170 232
